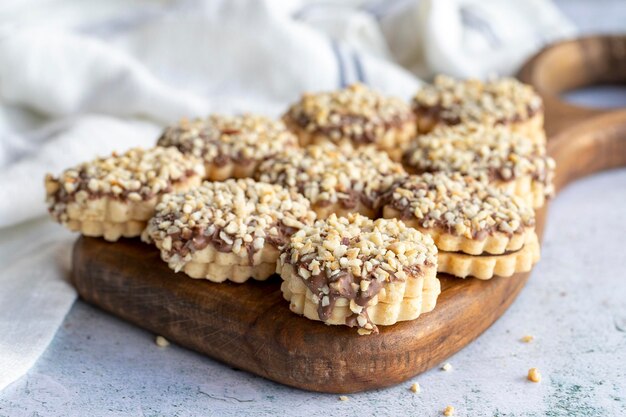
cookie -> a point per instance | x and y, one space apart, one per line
356 116
465 216
503 101
229 230
115 196
335 180
494 154
486 266
230 146
355 271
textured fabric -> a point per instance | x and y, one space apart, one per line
80 79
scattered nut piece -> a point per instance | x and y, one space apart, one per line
446 367
416 388
343 398
161 341
534 375
528 338
448 411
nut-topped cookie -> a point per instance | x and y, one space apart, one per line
503 101
465 216
335 180
227 230
231 146
494 154
356 116
114 196
359 272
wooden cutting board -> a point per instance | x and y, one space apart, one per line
250 327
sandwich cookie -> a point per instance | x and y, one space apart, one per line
230 146
493 154
479 230
503 101
335 180
356 116
114 196
229 230
359 272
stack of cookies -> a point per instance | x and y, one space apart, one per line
355 199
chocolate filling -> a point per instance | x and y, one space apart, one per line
508 252
366 135
168 138
62 196
435 112
349 202
198 239
492 173
406 213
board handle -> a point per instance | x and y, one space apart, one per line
582 140
590 146
573 64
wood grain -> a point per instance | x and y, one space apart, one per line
250 327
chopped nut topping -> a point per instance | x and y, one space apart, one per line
482 151
327 174
355 113
461 205
340 252
416 388
534 375
528 339
161 341
238 216
448 411
138 174
446 367
219 139
501 101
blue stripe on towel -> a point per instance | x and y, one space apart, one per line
341 65
382 8
358 66
475 21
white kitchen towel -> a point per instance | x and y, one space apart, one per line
80 79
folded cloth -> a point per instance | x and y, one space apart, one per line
80 79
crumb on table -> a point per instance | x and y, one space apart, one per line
534 375
446 367
528 338
416 388
161 341
343 398
448 411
